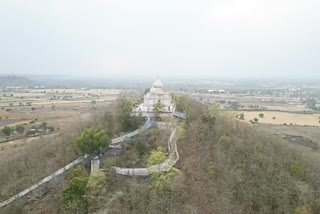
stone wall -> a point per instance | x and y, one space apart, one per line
163 167
116 142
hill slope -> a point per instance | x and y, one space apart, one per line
14 81
226 167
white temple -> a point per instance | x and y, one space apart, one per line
157 99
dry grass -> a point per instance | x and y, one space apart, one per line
283 118
41 105
31 160
24 166
311 133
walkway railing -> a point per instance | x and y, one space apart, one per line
115 142
163 167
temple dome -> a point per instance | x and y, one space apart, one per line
157 84
153 90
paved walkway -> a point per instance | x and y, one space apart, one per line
115 142
163 167
43 181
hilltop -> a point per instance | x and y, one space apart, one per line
225 166
16 81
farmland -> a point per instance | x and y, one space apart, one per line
288 114
282 118
39 110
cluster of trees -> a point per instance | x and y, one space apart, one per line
225 167
42 127
20 129
73 196
82 190
103 190
127 122
8 131
23 166
92 141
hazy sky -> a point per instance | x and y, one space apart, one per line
219 38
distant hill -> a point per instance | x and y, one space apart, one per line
12 80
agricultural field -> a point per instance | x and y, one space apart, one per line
47 111
282 118
289 117
52 105
245 102
300 135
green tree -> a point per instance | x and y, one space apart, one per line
209 119
180 103
156 157
161 181
7 131
124 111
92 141
261 115
298 171
73 196
141 149
20 129
76 173
127 122
96 190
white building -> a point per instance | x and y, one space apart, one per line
156 99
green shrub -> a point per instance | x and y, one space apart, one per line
298 171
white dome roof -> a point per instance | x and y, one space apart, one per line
153 90
157 84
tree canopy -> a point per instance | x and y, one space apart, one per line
156 157
73 196
127 122
92 141
7 131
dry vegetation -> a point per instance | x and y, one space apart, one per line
311 133
25 165
225 165
28 163
136 153
280 118
58 107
